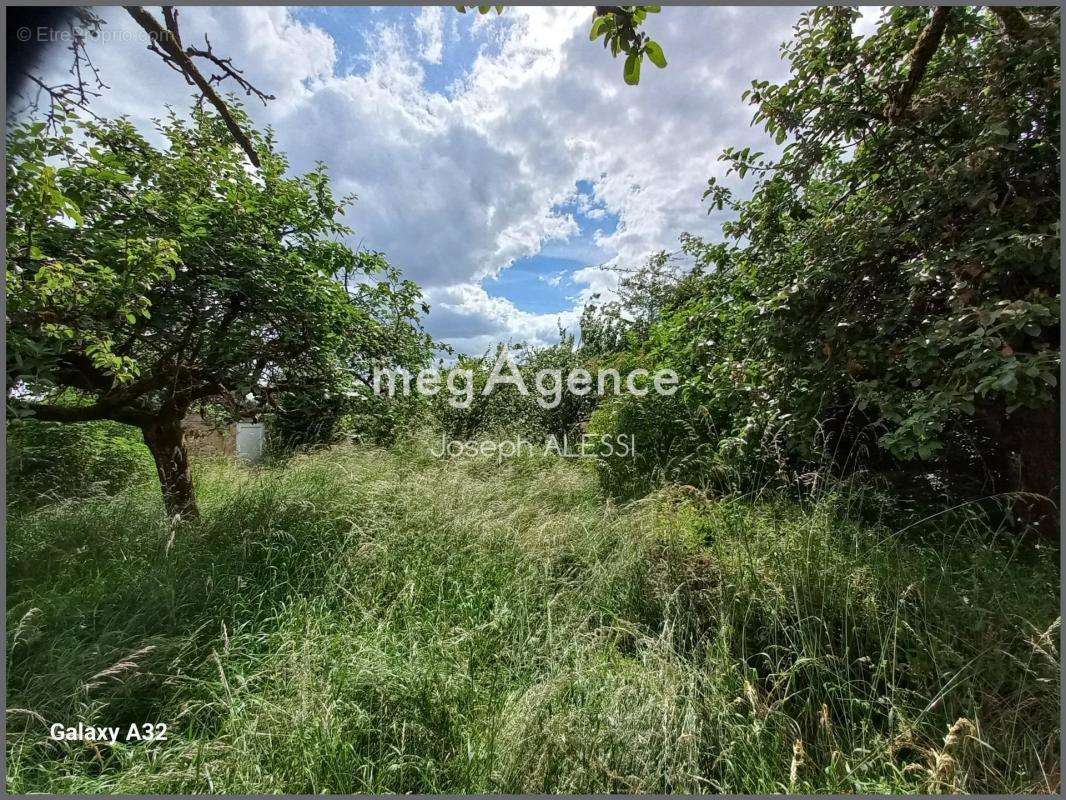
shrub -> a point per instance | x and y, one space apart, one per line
876 269
304 422
679 440
505 409
383 420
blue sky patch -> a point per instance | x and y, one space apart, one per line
538 284
543 283
352 28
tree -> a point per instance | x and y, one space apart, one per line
144 280
895 274
644 296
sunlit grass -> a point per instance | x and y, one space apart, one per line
378 621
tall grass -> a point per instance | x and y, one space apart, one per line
366 620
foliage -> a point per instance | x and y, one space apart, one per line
142 280
304 422
560 360
382 421
892 285
371 621
128 262
618 25
663 284
48 461
504 410
381 621
676 443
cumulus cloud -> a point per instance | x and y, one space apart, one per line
455 186
472 321
429 24
599 283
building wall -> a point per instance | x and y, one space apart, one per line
202 439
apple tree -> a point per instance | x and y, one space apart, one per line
145 279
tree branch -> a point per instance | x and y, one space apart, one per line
228 70
924 49
78 94
98 411
1013 20
167 43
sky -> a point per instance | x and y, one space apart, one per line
500 161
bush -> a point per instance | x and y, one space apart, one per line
885 274
685 442
505 410
48 461
304 422
382 421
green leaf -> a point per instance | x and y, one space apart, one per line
655 54
72 211
599 26
631 72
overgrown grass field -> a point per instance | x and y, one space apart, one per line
366 620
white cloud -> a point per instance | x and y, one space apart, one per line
429 24
598 283
454 188
472 321
869 16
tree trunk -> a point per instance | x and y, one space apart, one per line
920 56
166 440
1028 455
